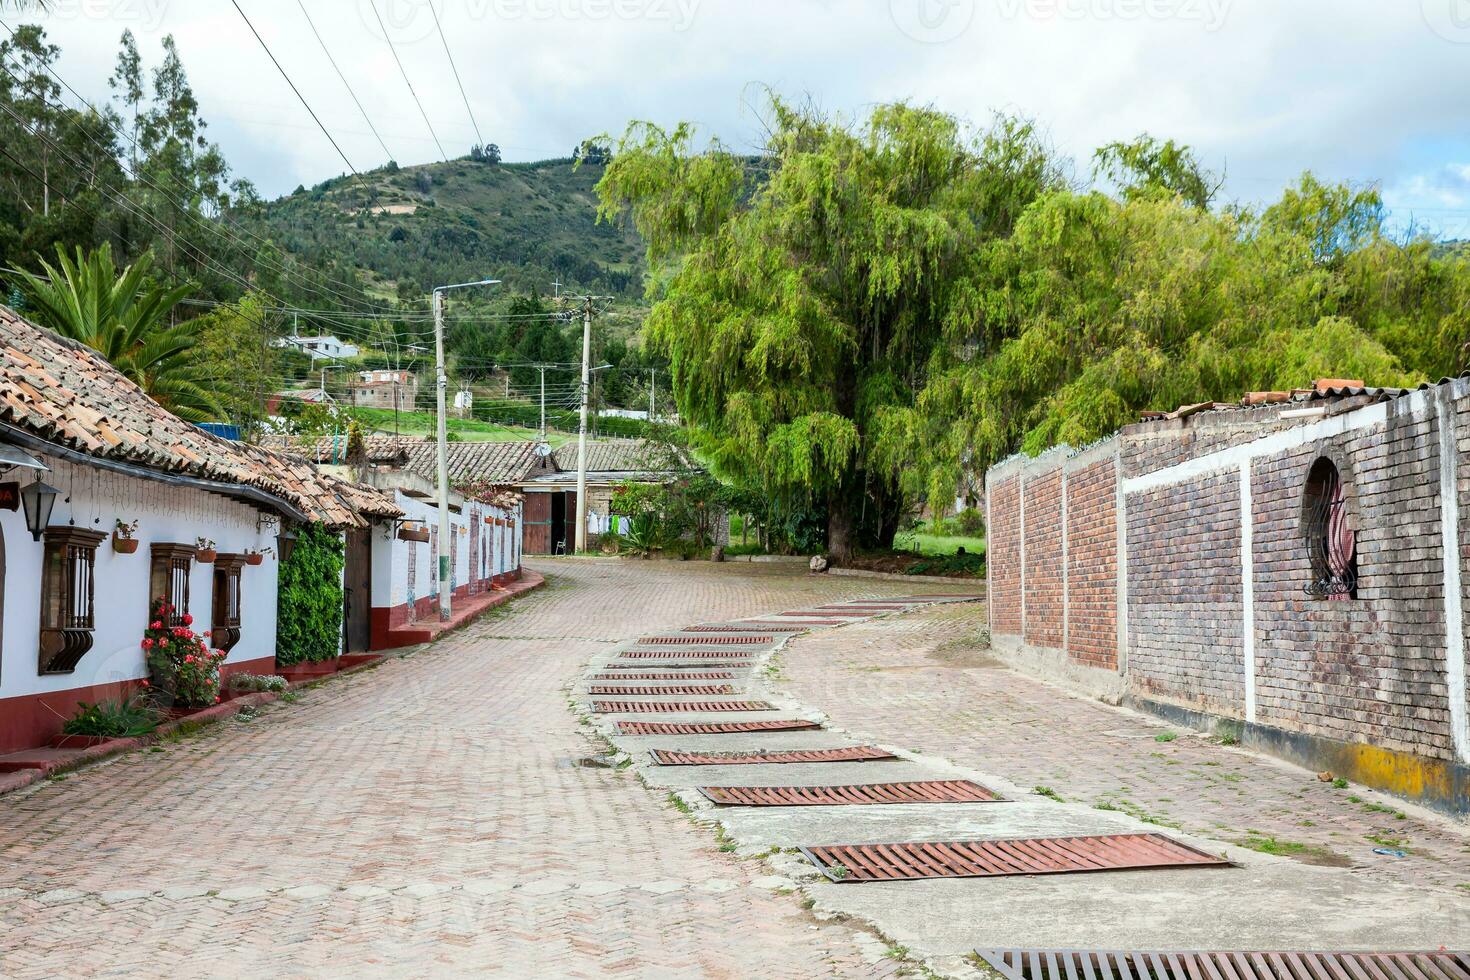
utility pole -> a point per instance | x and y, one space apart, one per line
441 384
542 369
582 427
652 393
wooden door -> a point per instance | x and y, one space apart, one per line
537 540
357 581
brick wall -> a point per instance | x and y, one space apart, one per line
1003 555
1092 564
1185 602
1043 531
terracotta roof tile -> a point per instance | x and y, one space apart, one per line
114 419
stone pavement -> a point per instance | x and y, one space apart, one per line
420 818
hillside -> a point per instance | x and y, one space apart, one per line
527 223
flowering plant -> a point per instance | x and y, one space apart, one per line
183 668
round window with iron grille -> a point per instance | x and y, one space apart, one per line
1331 542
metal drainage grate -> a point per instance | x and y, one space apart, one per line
1015 856
662 689
672 654
735 628
706 640
809 613
674 707
712 727
931 791
681 665
800 627
1077 964
716 675
859 753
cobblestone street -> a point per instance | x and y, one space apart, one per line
420 818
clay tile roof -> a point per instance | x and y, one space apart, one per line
511 461
67 394
623 456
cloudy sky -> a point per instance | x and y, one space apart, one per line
1359 90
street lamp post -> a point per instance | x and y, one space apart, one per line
445 551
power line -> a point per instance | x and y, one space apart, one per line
452 68
404 72
333 61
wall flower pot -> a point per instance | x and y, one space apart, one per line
413 534
205 556
124 546
254 559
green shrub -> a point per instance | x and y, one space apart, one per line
970 522
961 565
256 682
309 611
128 718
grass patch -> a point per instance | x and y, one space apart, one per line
1339 783
1047 792
1266 844
679 804
1166 736
937 544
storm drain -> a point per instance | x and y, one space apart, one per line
662 689
808 613
713 727
1082 964
738 628
805 624
716 675
931 791
674 707
1015 856
664 641
859 753
681 665
670 654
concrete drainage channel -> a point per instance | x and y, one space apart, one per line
947 864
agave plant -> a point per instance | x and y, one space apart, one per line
123 315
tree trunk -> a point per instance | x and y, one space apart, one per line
841 527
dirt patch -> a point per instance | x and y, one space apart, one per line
964 653
900 563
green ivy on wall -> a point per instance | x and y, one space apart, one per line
309 609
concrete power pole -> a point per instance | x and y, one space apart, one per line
652 394
542 369
442 383
582 427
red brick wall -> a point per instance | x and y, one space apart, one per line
1003 556
1043 530
1092 565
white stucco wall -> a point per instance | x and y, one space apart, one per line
391 555
165 514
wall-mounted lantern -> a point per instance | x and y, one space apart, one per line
38 498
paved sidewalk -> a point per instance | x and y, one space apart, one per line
420 818
922 683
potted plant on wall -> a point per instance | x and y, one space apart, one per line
411 531
254 556
204 551
123 541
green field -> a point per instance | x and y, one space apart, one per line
935 544
468 430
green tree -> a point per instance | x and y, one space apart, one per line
799 311
1148 165
234 352
123 315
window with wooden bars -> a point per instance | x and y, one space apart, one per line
68 590
169 578
225 620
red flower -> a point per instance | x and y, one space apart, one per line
144 682
147 643
216 699
189 659
207 633
163 641
155 625
188 620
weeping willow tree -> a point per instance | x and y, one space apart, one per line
801 295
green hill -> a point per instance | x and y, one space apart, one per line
407 229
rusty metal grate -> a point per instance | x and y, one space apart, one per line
749 627
705 640
930 791
823 613
713 727
859 753
1014 856
800 627
673 654
1077 964
675 707
661 689
681 665
714 675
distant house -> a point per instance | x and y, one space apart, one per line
386 389
319 347
86 451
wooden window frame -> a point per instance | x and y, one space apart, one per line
168 574
68 598
225 616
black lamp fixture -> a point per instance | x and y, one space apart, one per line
38 498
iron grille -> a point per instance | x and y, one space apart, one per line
713 727
858 753
675 707
1087 964
927 791
1331 543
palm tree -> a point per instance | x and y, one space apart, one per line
124 317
